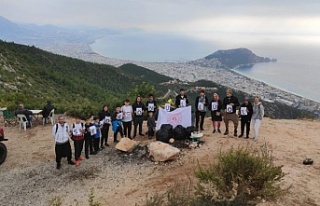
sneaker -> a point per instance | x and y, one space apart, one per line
106 144
214 131
58 166
247 137
81 158
226 133
241 135
219 131
93 153
235 134
201 129
77 163
71 163
116 141
141 135
87 157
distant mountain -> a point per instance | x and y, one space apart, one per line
231 58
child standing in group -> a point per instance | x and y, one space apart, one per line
78 139
127 118
151 123
117 123
88 131
105 116
96 140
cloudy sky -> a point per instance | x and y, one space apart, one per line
197 18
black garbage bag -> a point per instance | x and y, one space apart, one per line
168 128
165 133
179 133
189 130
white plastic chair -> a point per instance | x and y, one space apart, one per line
22 119
50 117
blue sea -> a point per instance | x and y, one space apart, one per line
297 69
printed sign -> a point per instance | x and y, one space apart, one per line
200 106
119 116
151 107
107 120
243 111
214 106
229 108
127 114
139 111
76 132
93 130
167 107
183 103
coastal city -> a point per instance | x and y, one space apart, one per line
191 71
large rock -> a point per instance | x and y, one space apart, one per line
127 145
162 152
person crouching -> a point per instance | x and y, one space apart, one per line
60 133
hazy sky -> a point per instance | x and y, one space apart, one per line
200 19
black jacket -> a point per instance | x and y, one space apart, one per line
206 103
138 105
229 100
250 111
178 98
103 114
219 106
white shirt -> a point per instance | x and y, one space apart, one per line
127 110
76 130
62 134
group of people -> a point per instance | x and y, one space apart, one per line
28 114
93 134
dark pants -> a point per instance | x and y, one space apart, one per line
245 122
137 121
63 150
119 130
200 117
150 132
104 134
88 145
78 146
231 117
96 142
127 129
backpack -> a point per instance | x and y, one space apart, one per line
57 126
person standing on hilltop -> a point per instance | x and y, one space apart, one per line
151 105
77 135
230 104
127 118
105 117
138 110
245 113
215 107
60 133
117 117
181 99
46 110
257 116
201 105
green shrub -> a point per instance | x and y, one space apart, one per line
242 173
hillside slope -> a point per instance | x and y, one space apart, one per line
32 76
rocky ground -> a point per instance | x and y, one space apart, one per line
29 177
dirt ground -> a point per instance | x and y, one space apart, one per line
29 176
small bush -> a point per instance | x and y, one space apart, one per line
244 174
91 200
56 201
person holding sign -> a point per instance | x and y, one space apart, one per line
181 99
245 113
127 118
105 117
215 107
117 117
201 105
151 104
138 110
257 116
230 104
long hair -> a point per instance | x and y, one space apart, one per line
216 95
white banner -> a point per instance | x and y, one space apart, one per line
179 116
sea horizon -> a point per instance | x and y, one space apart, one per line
295 72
